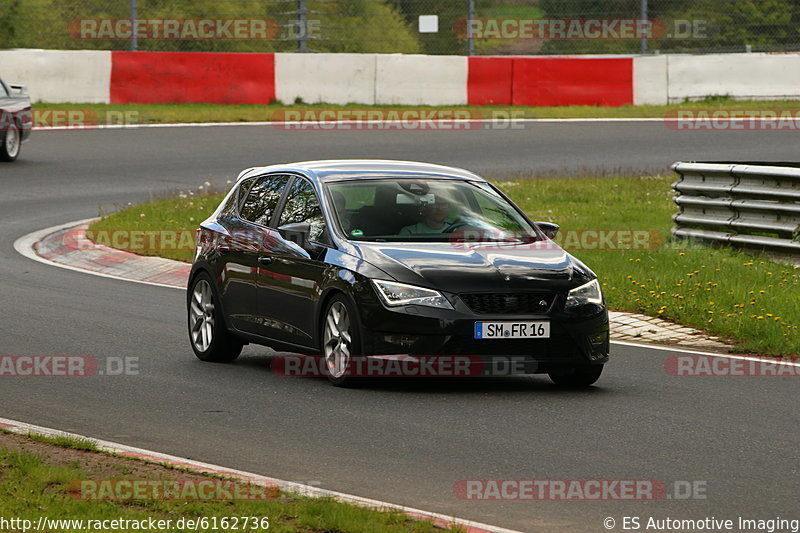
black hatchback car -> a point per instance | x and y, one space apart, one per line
353 260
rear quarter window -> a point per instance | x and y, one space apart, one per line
262 199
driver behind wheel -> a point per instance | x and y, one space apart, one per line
433 218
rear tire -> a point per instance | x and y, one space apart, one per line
10 142
578 378
208 335
341 341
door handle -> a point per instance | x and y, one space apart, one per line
266 260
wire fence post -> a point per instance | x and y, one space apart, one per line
644 17
302 26
134 40
470 16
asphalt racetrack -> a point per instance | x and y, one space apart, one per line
407 441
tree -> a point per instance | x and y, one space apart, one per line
337 25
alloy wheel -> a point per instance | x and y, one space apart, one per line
12 141
337 340
201 312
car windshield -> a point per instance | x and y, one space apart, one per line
433 210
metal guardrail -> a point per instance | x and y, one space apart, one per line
748 205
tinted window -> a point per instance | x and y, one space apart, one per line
244 188
494 209
302 205
410 209
263 198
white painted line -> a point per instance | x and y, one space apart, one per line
23 428
24 245
326 124
756 358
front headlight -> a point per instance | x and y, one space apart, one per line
394 294
588 293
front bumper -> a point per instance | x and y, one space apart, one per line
576 340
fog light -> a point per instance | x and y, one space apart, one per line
598 345
400 340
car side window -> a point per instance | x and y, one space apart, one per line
3 90
263 198
244 188
302 205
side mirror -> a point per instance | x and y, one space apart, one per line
296 232
549 229
21 89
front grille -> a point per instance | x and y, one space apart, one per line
512 303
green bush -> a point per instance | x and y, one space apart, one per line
367 26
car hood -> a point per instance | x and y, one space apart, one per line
457 269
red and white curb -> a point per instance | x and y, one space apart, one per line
26 246
444 521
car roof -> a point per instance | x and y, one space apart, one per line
347 169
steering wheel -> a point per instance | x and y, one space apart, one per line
458 223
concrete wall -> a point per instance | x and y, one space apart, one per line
81 76
371 79
650 80
328 78
202 77
420 80
743 76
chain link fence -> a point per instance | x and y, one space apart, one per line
479 27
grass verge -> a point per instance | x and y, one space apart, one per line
43 480
194 113
748 299
745 298
65 442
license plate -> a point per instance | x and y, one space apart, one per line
512 330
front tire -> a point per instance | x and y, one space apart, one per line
10 142
210 339
577 378
341 341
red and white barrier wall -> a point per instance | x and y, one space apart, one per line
59 76
386 79
383 79
551 81
161 77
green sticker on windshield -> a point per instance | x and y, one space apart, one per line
356 233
